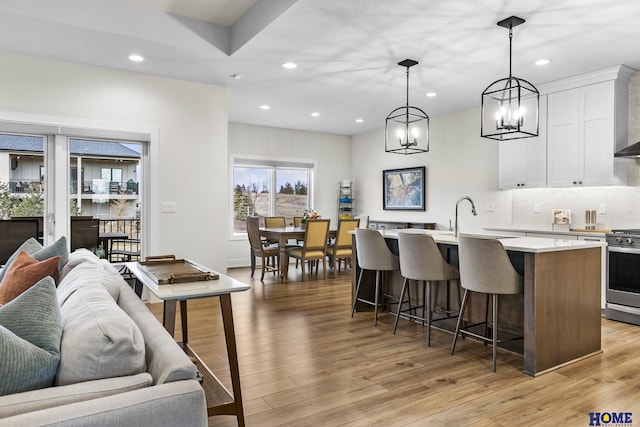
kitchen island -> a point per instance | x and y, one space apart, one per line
560 310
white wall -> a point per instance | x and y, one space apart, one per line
190 150
332 153
458 163
461 163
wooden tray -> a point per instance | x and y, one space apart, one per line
167 270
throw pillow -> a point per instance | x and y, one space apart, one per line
36 250
30 334
24 272
100 340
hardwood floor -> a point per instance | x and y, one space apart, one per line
305 362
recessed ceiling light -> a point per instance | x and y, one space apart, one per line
135 57
264 107
290 65
314 114
236 76
359 120
542 62
431 94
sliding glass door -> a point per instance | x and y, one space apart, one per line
82 183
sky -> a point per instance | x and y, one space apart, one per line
247 176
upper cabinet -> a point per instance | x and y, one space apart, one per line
583 122
582 137
523 162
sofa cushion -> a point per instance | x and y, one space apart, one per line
36 250
19 403
99 340
84 274
30 333
76 258
24 272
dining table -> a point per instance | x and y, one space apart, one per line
106 239
282 235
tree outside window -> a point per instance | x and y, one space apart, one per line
254 188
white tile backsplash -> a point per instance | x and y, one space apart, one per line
622 206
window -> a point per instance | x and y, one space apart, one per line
268 187
111 174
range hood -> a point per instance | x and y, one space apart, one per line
632 151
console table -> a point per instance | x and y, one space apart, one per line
219 400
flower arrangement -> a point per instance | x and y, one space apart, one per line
309 214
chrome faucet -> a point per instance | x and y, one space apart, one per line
473 211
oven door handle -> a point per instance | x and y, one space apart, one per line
624 250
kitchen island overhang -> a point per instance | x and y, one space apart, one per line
560 311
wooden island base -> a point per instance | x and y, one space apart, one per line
559 312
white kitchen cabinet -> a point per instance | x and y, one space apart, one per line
582 136
523 162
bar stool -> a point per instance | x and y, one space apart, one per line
421 260
373 254
485 267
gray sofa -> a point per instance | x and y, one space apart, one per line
101 380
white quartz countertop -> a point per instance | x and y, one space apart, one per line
549 230
520 244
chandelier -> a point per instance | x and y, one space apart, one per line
510 105
407 128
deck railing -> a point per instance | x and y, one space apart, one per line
126 249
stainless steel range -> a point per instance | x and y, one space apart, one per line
623 284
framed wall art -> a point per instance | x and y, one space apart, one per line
404 189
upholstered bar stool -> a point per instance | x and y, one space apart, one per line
422 261
373 254
485 267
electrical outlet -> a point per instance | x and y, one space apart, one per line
602 208
536 208
489 207
168 207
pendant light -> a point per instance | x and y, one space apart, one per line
407 128
510 105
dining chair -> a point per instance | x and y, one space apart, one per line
485 267
314 246
364 221
124 250
273 222
85 233
342 248
258 249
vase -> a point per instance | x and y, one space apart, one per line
303 225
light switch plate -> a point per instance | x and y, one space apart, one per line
602 208
168 207
536 208
489 207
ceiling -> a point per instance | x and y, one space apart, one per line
346 50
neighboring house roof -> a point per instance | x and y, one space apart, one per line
78 146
